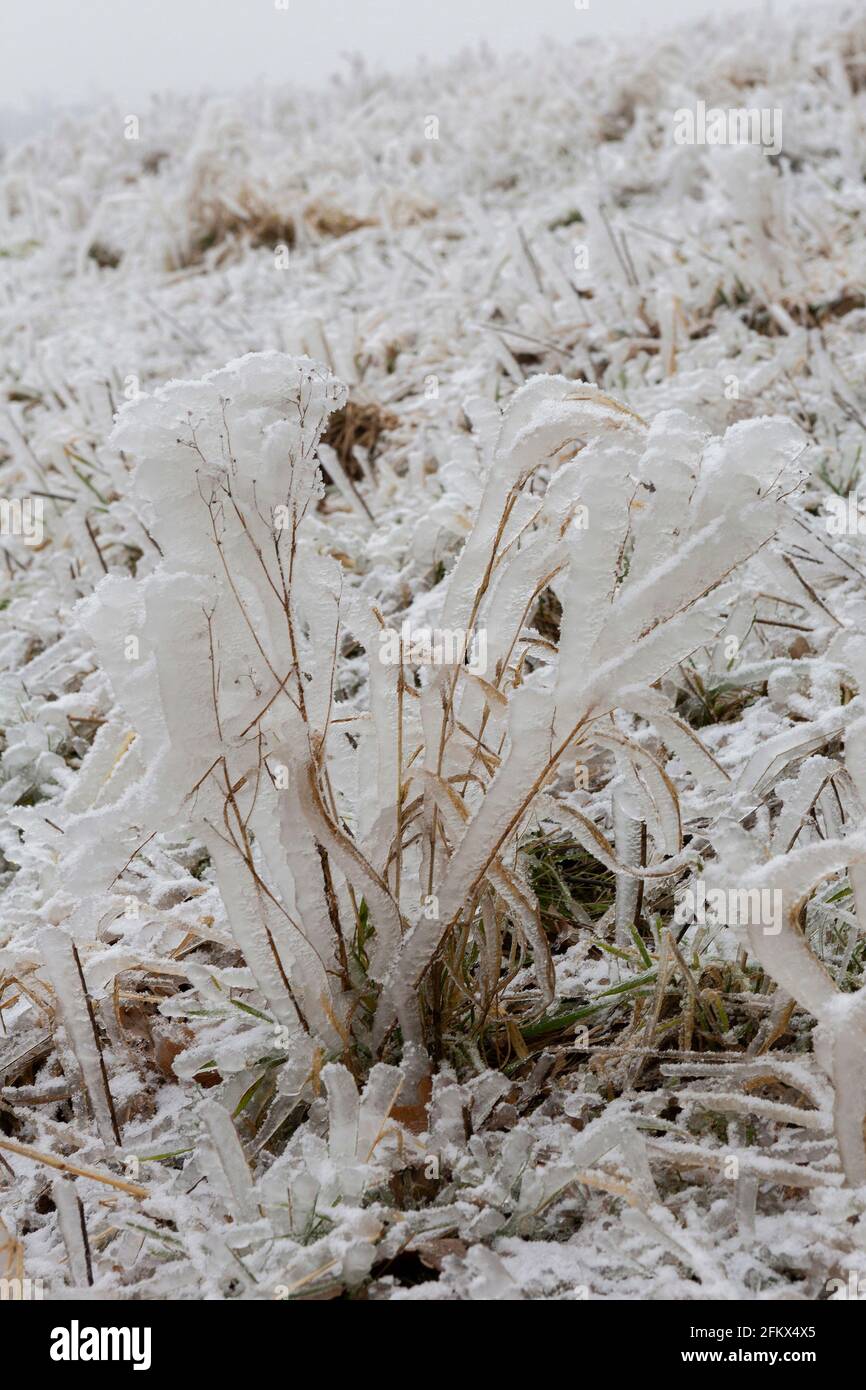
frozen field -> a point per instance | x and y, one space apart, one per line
432 738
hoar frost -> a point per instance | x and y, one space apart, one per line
376 707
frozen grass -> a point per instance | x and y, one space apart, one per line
323 976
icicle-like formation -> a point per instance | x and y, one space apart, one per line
63 967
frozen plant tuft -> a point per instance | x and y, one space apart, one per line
432 757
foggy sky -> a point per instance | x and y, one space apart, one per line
70 51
